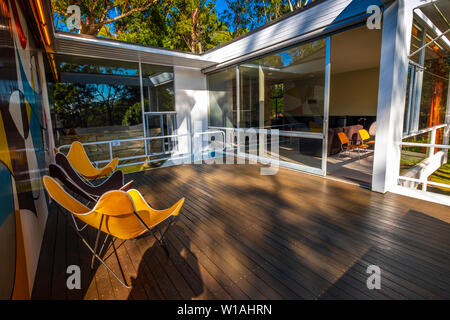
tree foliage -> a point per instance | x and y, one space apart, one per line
96 14
189 25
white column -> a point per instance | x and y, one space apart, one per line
326 107
445 138
396 41
191 103
261 111
144 125
418 82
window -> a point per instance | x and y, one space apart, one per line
222 98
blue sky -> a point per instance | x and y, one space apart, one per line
221 5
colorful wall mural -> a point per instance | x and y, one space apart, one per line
24 153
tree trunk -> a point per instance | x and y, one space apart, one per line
194 20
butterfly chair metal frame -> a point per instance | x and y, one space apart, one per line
171 218
345 141
90 193
159 240
113 182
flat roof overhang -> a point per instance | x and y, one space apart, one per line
88 46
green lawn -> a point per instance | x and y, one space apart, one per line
442 175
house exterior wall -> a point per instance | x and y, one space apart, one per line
191 103
364 87
24 146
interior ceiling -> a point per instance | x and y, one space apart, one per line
351 50
355 49
433 14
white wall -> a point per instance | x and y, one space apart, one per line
363 86
191 102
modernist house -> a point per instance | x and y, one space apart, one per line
317 76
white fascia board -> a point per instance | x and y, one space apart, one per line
171 55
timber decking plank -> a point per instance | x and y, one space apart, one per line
44 274
242 235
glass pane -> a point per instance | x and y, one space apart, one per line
416 40
427 94
222 98
427 87
290 88
97 100
434 94
302 151
285 91
249 97
158 88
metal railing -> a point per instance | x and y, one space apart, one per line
169 125
431 147
115 143
172 154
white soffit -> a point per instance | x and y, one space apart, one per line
431 26
74 44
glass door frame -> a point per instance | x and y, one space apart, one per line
299 134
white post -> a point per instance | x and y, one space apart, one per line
432 141
418 82
396 40
262 139
143 107
445 138
326 106
238 117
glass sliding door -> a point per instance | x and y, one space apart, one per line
222 99
159 108
96 100
288 91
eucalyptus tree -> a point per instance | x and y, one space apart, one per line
99 14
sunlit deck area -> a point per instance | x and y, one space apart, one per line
286 236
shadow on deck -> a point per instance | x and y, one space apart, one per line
242 235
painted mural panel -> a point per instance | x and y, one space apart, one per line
23 154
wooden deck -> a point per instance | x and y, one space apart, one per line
246 236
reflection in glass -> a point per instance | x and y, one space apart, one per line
222 98
159 98
426 108
158 88
285 91
291 88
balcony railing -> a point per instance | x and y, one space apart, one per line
432 162
173 151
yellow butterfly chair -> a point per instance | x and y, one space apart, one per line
365 136
123 215
346 146
80 162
